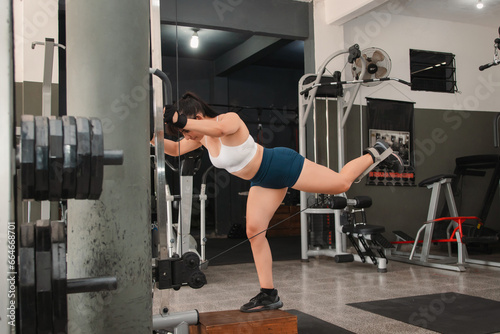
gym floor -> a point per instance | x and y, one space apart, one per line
323 288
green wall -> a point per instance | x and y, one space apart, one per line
440 137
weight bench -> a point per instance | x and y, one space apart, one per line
369 237
458 232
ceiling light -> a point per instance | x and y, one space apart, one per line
195 41
479 4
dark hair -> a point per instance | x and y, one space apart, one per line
190 105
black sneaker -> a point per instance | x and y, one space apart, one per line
392 162
263 302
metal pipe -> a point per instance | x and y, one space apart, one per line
113 157
172 320
169 231
350 104
327 135
340 134
203 199
160 178
79 285
47 75
315 132
353 95
316 84
182 328
47 97
167 84
415 244
303 195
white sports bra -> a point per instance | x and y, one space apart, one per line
235 158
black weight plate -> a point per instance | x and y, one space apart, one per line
191 260
27 152
56 158
43 267
82 158
41 158
59 291
197 280
69 157
97 159
27 287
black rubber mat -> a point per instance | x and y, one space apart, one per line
448 312
307 324
282 248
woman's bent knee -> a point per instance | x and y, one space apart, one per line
255 235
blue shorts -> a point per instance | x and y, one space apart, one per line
280 168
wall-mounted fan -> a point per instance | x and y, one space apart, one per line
378 65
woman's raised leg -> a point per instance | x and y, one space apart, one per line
316 178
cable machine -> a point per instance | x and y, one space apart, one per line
366 70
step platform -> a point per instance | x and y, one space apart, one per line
234 321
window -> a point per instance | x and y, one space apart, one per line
432 71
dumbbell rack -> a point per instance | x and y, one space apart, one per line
58 158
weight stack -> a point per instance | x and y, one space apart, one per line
322 230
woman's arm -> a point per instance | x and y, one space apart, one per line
172 147
229 124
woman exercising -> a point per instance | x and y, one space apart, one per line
271 172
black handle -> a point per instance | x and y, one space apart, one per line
485 66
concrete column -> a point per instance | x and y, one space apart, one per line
107 77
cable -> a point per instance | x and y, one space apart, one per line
179 223
248 239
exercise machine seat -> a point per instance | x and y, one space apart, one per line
435 178
363 229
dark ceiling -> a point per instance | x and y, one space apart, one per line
216 43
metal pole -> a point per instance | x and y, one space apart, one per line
203 200
158 103
327 137
173 320
47 77
47 96
107 68
303 196
79 285
431 215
